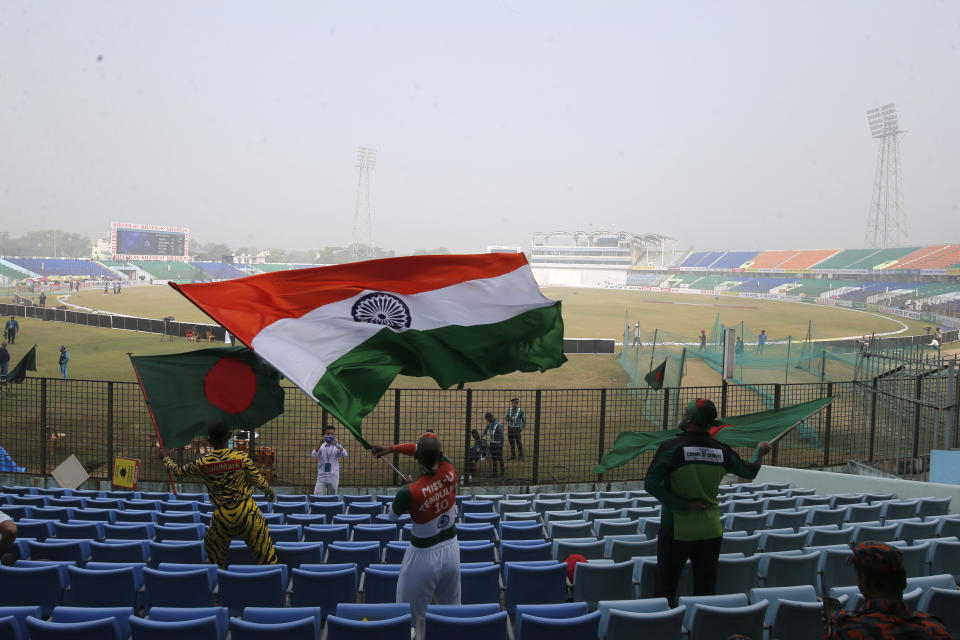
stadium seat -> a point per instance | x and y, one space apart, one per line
39 530
589 548
910 530
136 516
470 551
360 553
304 519
818 537
326 533
949 526
723 615
792 519
480 585
176 588
184 614
930 507
380 584
617 526
864 512
792 611
820 517
120 551
199 628
303 629
747 545
86 614
293 554
595 582
177 552
532 627
943 603
534 584
311 587
833 570
102 629
181 532
570 529
107 516
925 583
900 509
492 626
944 557
476 531
788 569
749 522
736 574
129 531
239 589
79 530
391 629
178 517
522 530
103 587
63 550
623 548
16 618
914 557
875 532
781 541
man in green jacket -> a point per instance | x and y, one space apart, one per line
685 476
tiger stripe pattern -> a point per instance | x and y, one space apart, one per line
229 477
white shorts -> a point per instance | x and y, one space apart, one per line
326 486
428 574
4 517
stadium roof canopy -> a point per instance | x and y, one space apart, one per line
585 237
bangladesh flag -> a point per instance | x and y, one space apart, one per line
655 377
343 333
187 391
739 431
27 363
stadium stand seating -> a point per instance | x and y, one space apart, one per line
763 285
218 270
64 267
170 270
733 259
938 256
790 549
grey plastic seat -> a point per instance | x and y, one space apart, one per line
875 532
570 529
818 517
737 575
749 522
933 507
650 605
582 504
627 625
817 537
746 544
792 612
782 541
622 548
909 531
944 557
941 581
833 570
793 519
618 503
616 526
814 500
711 622
589 548
949 526
914 557
945 604
543 506
780 503
507 506
595 582
788 569
567 514
864 512
843 500
900 509
747 506
870 498
591 515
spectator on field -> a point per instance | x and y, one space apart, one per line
636 336
11 329
4 361
43 300
516 421
64 359
328 454
739 346
703 340
761 341
495 428
884 615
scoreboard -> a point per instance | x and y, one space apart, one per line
148 242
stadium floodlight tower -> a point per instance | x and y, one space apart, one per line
362 248
886 222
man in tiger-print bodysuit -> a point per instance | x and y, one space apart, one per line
229 476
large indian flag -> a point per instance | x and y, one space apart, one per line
343 333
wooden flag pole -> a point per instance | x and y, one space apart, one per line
153 418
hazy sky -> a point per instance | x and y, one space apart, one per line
736 125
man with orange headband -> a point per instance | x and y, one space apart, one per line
431 564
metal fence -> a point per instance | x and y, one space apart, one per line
43 421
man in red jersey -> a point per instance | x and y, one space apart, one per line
431 564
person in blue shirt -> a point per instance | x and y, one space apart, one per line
761 341
64 359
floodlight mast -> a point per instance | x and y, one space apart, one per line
362 248
886 221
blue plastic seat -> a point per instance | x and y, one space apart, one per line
303 629
534 627
103 588
60 549
130 531
106 516
328 509
395 550
534 584
367 508
523 551
492 626
360 553
190 552
39 530
595 582
380 585
177 588
788 569
589 548
323 588
103 629
87 614
185 614
391 629
477 506
186 532
293 554
136 516
198 628
770 541
623 548
476 531
749 521
16 617
260 589
326 533
305 519
380 533
819 537
570 529
268 615
480 585
628 625
120 551
178 517
522 530
61 514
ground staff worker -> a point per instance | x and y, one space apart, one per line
431 564
685 476
229 476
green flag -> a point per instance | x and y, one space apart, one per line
655 377
186 391
27 363
738 431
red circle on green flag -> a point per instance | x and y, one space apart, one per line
230 385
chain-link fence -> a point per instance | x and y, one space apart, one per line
881 423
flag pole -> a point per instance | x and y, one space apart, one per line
153 418
400 473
